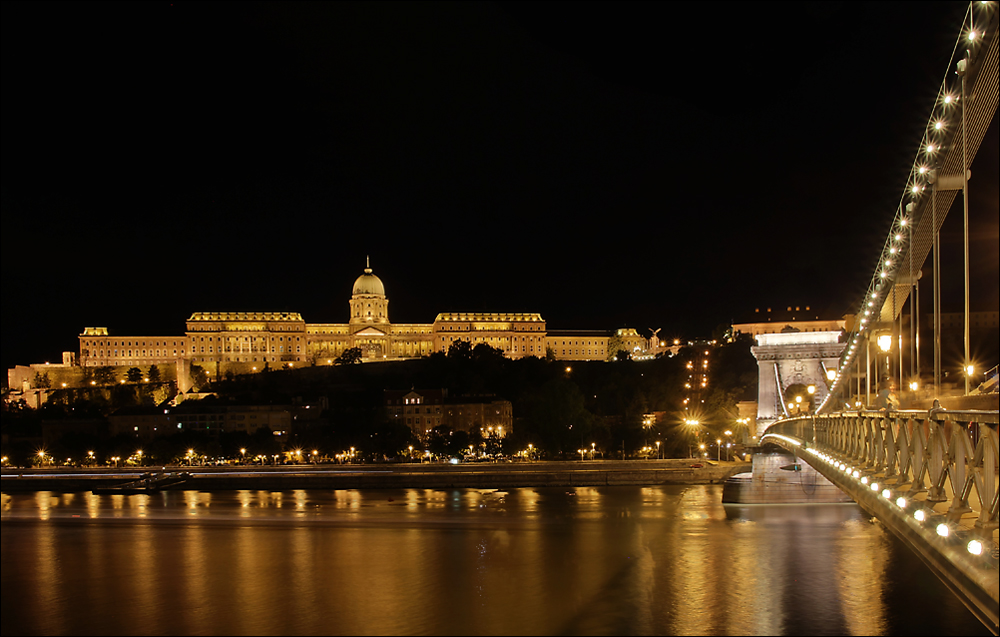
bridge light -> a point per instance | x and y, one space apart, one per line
901 502
875 486
856 474
919 515
864 480
938 125
975 547
947 99
972 36
931 148
943 530
886 493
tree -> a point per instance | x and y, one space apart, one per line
105 375
133 375
199 377
350 356
153 374
460 349
42 380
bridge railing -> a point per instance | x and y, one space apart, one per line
951 456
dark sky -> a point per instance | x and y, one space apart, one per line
647 165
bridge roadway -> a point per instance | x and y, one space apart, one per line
930 477
391 476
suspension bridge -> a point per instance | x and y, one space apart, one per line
928 475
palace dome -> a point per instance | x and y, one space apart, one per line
368 283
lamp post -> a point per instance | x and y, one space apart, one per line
658 450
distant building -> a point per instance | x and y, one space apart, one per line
144 423
247 341
423 410
790 318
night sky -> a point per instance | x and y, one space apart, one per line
645 165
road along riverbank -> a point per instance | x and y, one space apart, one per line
395 476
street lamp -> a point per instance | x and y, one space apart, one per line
658 450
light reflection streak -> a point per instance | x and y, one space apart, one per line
861 582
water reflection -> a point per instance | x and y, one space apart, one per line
653 560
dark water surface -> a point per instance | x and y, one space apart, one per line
618 560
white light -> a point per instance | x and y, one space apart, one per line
938 125
931 148
901 502
874 486
975 547
919 515
864 480
856 473
943 530
972 35
886 494
947 99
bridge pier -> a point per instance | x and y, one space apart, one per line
779 477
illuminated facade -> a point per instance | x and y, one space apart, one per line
247 341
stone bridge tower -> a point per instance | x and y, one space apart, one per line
792 358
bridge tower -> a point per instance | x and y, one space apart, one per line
792 358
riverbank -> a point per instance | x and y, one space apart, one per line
396 476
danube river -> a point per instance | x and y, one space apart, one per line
604 561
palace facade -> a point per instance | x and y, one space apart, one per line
247 341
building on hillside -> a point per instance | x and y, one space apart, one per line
423 410
246 342
143 423
796 317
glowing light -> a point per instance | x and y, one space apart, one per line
864 480
856 473
969 370
972 36
901 502
931 148
947 99
975 547
886 494
938 125
943 530
919 515
874 486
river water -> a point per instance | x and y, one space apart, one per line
595 561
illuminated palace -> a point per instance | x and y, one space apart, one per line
243 341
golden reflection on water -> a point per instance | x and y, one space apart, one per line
861 581
654 560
